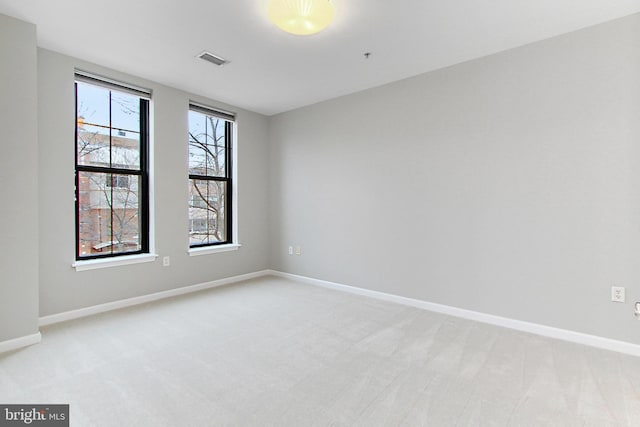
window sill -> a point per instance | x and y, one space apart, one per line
93 264
206 250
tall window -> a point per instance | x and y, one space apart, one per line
112 134
210 136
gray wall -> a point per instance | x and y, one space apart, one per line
507 185
18 180
61 287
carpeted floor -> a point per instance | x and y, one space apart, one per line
274 352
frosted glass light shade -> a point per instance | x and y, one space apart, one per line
301 17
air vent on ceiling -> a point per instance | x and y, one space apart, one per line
213 58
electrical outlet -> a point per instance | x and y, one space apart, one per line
166 261
617 294
290 250
298 250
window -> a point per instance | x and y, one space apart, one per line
111 172
117 181
210 184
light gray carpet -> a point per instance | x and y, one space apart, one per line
275 352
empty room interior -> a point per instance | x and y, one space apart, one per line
320 213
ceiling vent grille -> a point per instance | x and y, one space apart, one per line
210 57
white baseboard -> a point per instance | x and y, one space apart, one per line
534 328
101 308
20 342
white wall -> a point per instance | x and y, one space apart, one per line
61 287
508 185
18 180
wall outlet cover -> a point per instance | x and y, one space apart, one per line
617 294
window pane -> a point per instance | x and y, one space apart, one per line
125 112
125 133
125 149
207 211
216 151
126 213
94 214
207 145
108 128
93 145
93 104
93 122
108 213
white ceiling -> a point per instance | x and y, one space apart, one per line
271 71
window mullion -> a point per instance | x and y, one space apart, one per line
100 169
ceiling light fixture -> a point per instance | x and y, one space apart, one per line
301 17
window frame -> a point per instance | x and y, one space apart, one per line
230 209
142 172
